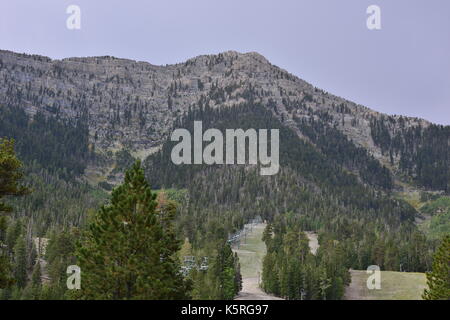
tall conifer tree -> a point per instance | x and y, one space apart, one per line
439 279
130 247
10 176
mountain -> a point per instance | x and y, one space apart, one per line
134 105
79 123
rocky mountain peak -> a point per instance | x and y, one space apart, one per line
133 105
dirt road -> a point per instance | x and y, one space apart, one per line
251 291
251 254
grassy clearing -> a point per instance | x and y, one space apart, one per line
251 253
434 209
412 197
394 286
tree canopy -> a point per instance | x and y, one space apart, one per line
130 247
10 176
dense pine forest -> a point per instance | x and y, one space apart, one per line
87 180
59 207
50 142
424 153
358 226
358 221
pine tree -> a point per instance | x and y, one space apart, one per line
33 289
439 279
228 284
20 262
186 250
59 254
129 251
5 270
324 283
10 176
36 282
225 270
238 275
270 275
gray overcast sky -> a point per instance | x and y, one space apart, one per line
402 69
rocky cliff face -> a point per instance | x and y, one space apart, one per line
133 105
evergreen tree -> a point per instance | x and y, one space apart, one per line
36 283
270 275
226 272
10 176
439 279
130 247
237 275
20 263
186 249
60 254
33 289
324 283
228 289
5 271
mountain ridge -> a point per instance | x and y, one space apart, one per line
341 164
133 105
228 52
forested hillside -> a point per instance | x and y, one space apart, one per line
311 192
50 142
80 124
423 153
125 104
